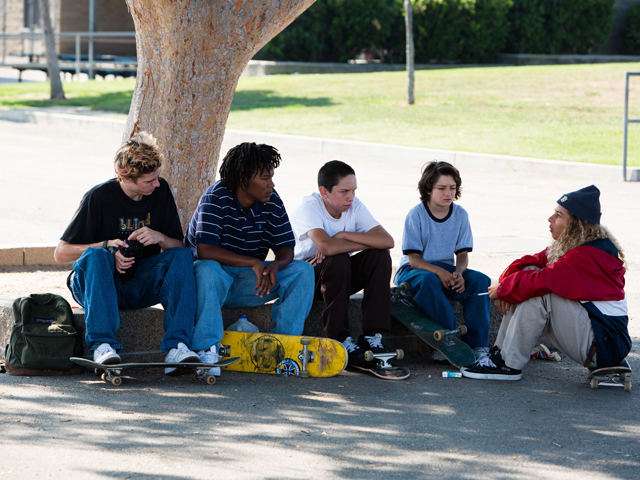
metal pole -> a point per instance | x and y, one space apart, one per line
626 123
4 31
92 28
77 57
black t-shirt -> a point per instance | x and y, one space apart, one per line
107 213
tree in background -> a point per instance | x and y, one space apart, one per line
190 57
53 68
408 15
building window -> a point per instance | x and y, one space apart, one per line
31 14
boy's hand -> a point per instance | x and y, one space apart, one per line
447 278
319 257
458 282
147 236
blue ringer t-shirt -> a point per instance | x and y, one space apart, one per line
219 220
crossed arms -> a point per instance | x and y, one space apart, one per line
347 242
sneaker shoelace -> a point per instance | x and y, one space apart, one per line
486 361
375 341
349 345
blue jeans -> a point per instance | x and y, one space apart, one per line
429 293
166 278
219 286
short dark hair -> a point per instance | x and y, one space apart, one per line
431 172
332 172
243 161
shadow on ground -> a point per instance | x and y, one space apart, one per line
353 424
255 99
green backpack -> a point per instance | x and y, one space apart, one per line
43 337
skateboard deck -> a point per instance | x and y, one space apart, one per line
406 311
111 373
614 376
283 354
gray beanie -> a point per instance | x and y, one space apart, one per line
583 203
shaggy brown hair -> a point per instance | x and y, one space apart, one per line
137 157
578 232
431 172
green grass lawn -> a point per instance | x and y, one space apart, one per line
572 113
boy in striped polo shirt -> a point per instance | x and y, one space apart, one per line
237 221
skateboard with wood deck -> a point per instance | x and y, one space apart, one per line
406 311
614 376
283 354
112 373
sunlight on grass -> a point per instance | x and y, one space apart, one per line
572 112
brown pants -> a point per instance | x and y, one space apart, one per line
342 275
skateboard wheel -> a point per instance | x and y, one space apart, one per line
627 386
104 377
438 335
405 287
117 381
589 375
399 354
305 341
463 330
368 356
194 376
210 379
304 374
623 377
594 383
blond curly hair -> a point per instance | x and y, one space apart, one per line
138 156
578 232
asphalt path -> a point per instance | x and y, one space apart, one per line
548 425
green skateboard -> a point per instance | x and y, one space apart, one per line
407 312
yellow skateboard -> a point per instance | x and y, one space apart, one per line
283 354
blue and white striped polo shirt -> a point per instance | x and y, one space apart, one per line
220 220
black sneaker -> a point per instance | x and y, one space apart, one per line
356 354
491 367
372 343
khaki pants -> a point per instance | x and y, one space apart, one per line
565 322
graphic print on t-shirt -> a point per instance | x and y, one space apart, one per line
133 224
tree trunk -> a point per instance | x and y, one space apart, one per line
191 54
408 20
53 68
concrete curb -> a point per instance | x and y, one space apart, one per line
348 147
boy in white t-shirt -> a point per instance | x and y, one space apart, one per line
331 225
435 244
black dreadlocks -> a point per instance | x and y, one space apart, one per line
243 161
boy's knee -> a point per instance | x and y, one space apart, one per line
95 257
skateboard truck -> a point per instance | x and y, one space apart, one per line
439 335
383 358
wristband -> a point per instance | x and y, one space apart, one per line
104 244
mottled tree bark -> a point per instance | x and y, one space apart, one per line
408 19
53 67
191 54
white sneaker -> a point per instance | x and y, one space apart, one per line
480 352
211 356
106 355
180 354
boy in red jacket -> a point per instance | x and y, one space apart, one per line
573 292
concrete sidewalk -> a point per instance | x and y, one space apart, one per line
550 424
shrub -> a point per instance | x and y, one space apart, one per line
559 26
630 31
335 31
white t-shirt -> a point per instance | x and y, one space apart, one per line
312 214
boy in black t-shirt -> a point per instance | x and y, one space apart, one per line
134 209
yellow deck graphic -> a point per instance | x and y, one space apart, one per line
283 354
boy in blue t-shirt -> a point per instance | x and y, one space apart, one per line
435 244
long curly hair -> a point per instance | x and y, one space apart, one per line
138 156
246 160
578 232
